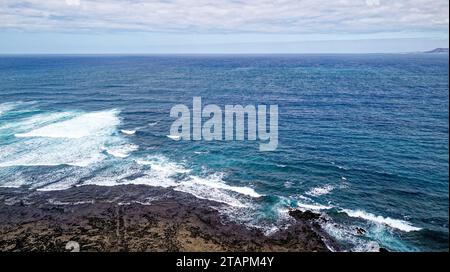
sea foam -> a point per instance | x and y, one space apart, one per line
322 190
163 173
15 106
159 171
393 223
128 132
5 107
89 124
64 138
122 151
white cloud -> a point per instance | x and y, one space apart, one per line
73 2
373 2
229 16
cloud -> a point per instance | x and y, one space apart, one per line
373 2
73 2
226 16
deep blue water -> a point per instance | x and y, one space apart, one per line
362 138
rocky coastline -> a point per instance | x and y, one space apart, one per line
139 218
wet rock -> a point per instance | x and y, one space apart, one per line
118 221
304 216
360 231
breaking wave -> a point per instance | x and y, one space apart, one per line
78 148
393 223
128 132
5 107
67 138
60 150
85 125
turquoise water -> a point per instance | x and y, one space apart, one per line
363 139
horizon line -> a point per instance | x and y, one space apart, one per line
221 53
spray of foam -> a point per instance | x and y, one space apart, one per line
159 171
122 151
85 125
166 173
64 139
38 120
9 106
128 132
393 223
385 221
4 107
318 191
345 233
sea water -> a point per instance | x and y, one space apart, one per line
363 139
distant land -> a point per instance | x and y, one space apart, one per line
437 50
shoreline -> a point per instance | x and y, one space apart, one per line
138 218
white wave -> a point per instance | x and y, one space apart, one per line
205 191
174 137
304 198
47 178
66 138
163 166
12 179
16 183
314 207
41 152
318 191
22 163
85 139
162 172
215 181
122 151
201 152
128 132
15 106
5 107
60 186
346 234
393 223
89 124
64 203
166 169
36 121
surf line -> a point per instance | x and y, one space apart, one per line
227 124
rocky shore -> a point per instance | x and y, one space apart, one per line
137 218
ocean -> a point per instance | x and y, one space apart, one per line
363 139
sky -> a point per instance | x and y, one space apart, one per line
222 26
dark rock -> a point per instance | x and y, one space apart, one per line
382 249
360 231
307 215
117 221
